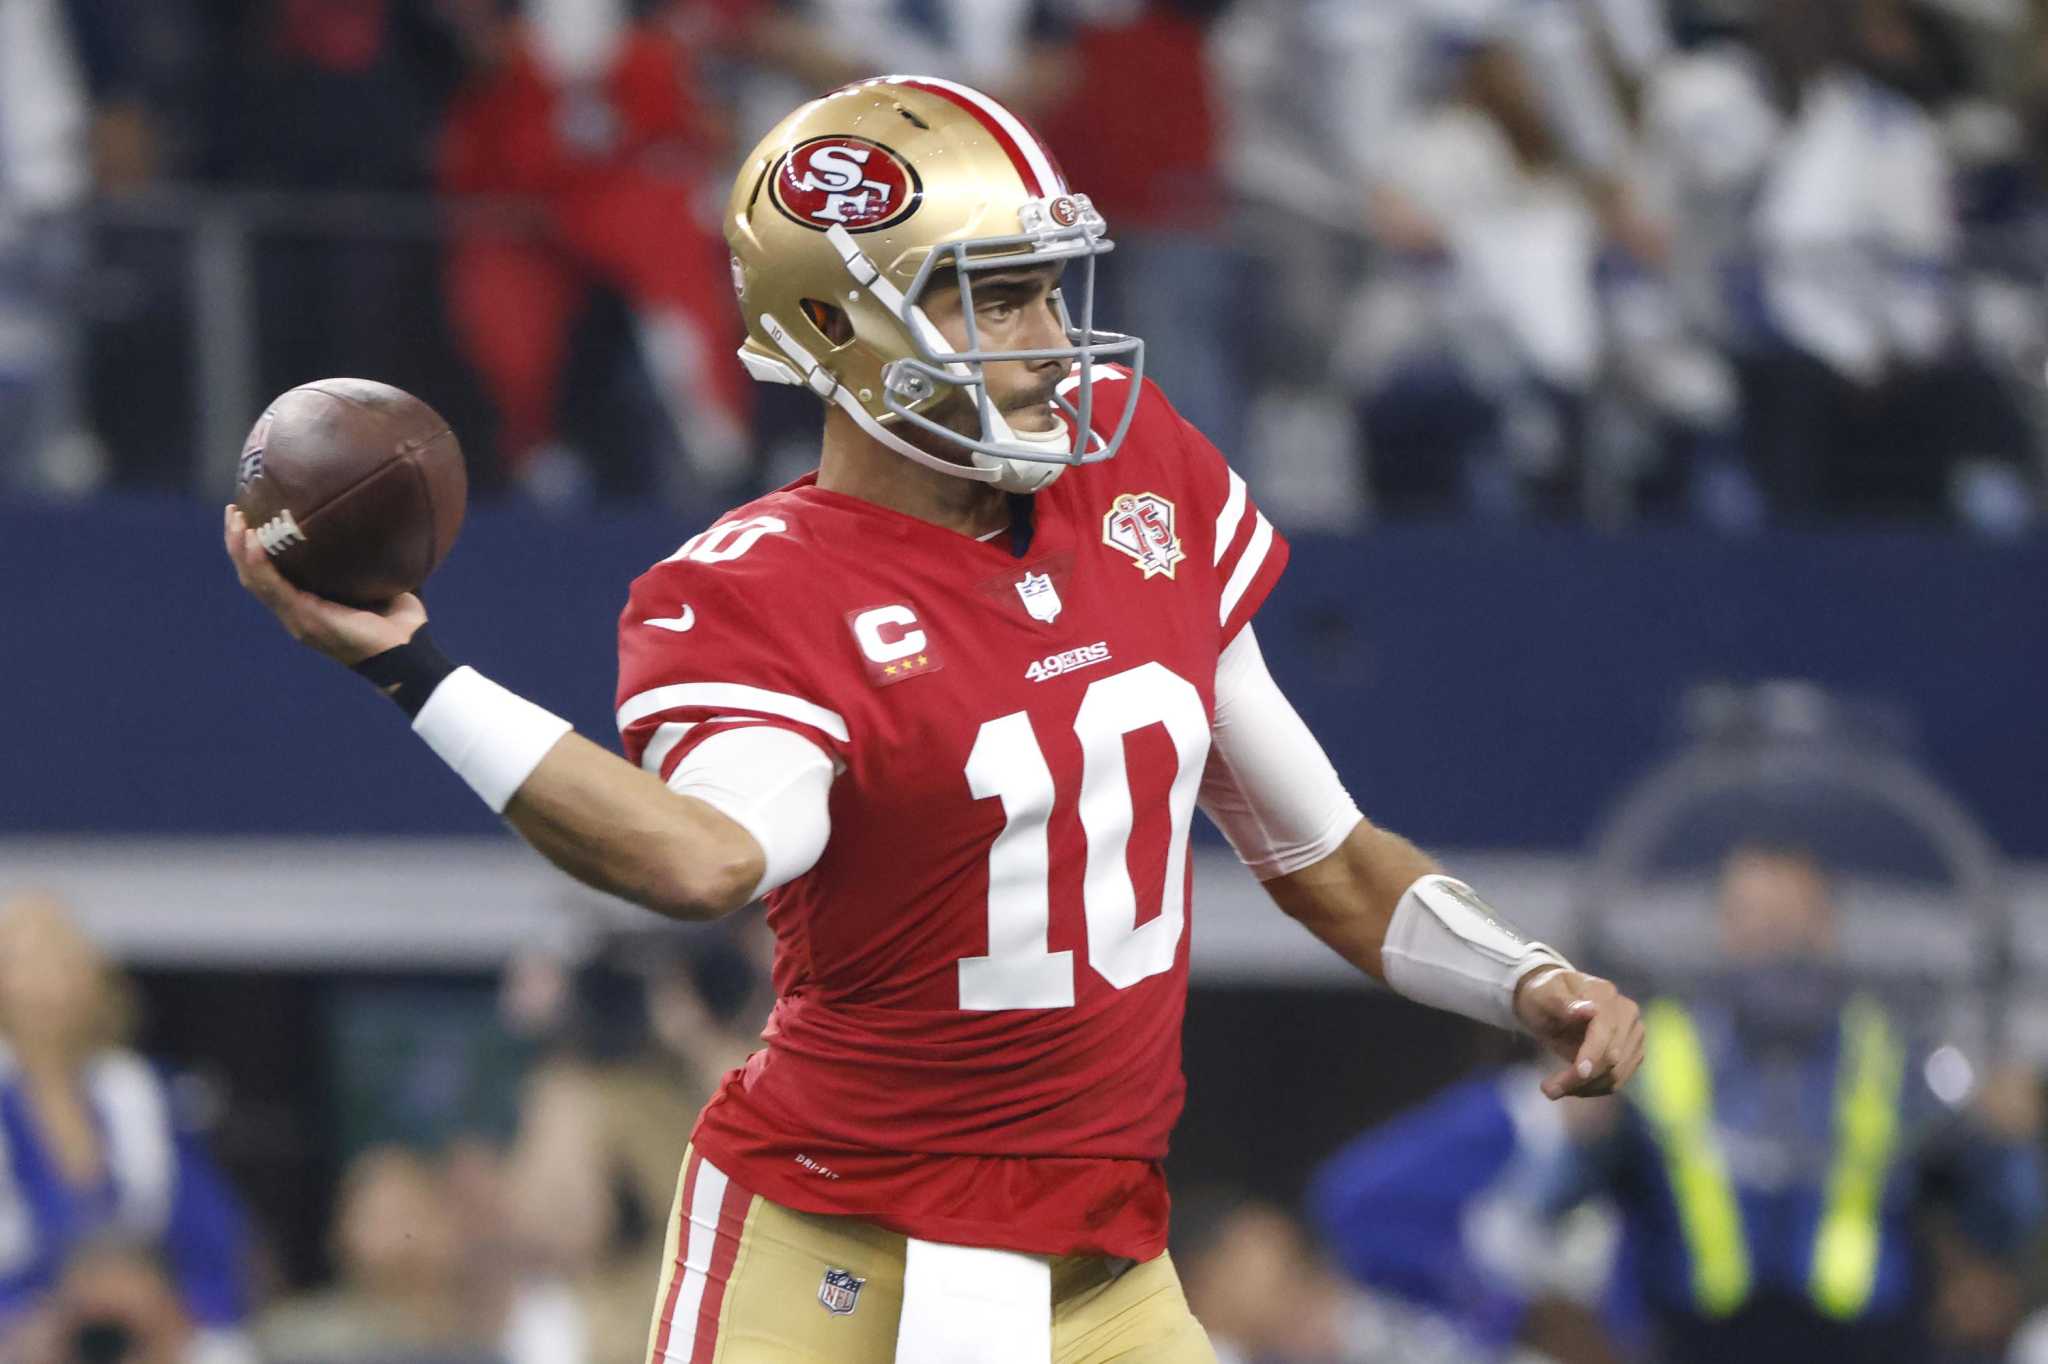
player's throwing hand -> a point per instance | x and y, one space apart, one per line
343 633
1589 1023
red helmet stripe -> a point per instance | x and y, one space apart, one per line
1035 166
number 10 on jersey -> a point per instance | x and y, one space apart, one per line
1008 764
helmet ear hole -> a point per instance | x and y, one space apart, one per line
832 322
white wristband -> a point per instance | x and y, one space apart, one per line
1446 948
492 737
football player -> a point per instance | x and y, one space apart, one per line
948 704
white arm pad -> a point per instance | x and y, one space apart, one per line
1268 785
773 783
1445 948
492 737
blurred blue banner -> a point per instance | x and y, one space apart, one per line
1494 690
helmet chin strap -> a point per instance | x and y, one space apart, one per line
1025 475
1007 475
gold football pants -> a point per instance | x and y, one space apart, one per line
747 1281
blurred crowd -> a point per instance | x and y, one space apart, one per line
1719 261
450 1240
1803 1172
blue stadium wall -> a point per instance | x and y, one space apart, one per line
1477 689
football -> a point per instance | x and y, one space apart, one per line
354 488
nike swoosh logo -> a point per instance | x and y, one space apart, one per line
675 623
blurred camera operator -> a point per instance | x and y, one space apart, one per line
1774 1170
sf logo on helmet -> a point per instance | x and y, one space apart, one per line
846 182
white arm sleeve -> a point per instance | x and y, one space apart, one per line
771 782
1272 791
1268 785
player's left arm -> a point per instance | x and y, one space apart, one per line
1383 904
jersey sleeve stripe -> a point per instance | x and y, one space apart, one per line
662 742
735 696
1260 587
1233 512
665 737
1247 567
1100 374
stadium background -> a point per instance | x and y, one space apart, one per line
1535 527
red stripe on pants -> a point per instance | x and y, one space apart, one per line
675 1283
732 1221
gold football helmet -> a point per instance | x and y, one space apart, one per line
857 202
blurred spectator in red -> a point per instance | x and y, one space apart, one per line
590 114
1137 133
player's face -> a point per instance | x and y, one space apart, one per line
1013 310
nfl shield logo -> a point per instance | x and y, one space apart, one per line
251 466
840 1292
1041 598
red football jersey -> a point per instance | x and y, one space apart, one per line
980 984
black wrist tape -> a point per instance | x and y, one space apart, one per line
409 673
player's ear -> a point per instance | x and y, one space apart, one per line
832 323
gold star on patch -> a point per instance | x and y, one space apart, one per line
891 670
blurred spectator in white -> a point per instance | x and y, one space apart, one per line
93 1148
1660 428
1480 338
1820 243
592 116
1450 167
1312 92
45 175
1587 61
400 1255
